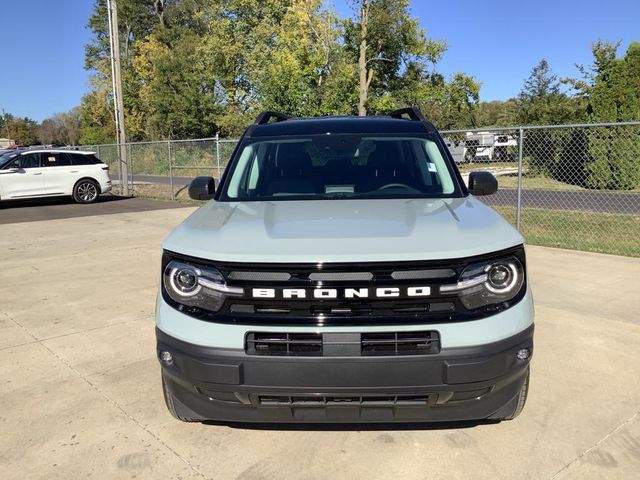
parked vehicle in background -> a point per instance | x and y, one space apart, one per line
456 148
51 173
6 143
489 147
344 272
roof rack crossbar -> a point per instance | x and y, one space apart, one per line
265 117
413 113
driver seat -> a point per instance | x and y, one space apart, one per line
383 165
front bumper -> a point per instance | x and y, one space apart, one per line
460 383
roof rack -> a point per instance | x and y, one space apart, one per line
413 113
265 117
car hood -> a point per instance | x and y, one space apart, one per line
342 230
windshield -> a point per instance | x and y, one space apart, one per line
339 166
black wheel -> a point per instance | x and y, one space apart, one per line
86 191
177 408
515 406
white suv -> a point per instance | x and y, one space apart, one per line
50 173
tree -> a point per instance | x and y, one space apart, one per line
309 72
237 47
199 67
388 43
448 104
21 130
96 113
61 128
497 113
614 96
604 54
541 101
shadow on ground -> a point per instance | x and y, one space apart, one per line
39 209
354 427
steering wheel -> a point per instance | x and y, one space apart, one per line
396 185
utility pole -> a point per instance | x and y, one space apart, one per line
114 45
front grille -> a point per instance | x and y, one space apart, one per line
400 343
288 294
361 308
361 401
342 344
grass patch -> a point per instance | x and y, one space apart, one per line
157 191
588 231
472 167
535 183
530 182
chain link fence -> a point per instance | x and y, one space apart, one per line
568 186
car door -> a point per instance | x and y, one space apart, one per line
23 177
59 174
86 166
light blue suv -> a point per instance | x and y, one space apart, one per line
343 272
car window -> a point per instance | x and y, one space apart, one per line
340 166
30 160
50 159
84 159
6 159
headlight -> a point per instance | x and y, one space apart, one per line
488 283
197 285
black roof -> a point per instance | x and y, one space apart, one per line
346 124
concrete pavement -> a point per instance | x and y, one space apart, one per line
80 389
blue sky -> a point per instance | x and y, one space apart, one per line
497 42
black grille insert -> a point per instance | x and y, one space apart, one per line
343 344
326 400
284 344
400 343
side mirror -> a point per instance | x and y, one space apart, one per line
482 183
202 188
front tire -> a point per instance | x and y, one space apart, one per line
515 406
177 408
86 191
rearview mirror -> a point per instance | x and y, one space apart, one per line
202 188
482 183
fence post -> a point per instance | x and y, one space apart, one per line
519 192
130 169
218 156
170 167
119 159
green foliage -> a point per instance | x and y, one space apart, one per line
615 97
23 131
193 68
308 72
393 58
541 102
96 113
497 113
